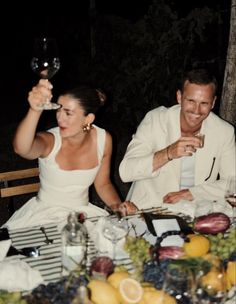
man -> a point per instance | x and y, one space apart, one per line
165 160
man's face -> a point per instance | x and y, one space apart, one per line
196 103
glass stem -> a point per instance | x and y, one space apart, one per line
113 250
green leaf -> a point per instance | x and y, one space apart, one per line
195 265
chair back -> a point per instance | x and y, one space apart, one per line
18 182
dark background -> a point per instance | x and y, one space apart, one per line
69 23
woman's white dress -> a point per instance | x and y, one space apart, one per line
61 191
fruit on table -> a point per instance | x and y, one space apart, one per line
214 280
170 252
116 277
103 293
154 272
223 244
131 291
231 272
212 223
102 265
155 296
197 246
11 297
213 259
138 249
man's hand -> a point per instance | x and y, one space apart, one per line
175 197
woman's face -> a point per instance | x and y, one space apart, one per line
70 117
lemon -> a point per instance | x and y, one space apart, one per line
151 296
148 286
130 290
231 272
197 246
116 277
214 281
103 293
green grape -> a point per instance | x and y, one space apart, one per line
219 236
138 249
223 245
119 268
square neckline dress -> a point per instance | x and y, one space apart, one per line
61 191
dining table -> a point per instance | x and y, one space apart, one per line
49 262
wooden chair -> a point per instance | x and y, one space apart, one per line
19 182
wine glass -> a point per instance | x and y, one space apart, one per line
230 196
114 230
46 63
178 285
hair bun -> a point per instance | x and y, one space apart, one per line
101 96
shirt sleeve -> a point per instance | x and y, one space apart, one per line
137 163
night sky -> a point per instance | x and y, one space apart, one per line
18 32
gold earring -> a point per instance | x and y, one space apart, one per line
87 127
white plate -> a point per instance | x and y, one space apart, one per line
138 227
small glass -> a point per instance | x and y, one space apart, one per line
211 287
114 230
202 139
178 285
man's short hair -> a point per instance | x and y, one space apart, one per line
199 76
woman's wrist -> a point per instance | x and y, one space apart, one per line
115 206
36 110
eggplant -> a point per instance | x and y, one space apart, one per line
212 223
170 252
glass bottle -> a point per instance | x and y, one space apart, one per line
73 236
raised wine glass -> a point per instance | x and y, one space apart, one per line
230 196
46 63
115 229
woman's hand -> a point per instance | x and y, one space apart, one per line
127 208
40 94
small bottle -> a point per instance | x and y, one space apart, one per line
73 236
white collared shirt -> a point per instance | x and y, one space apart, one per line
187 172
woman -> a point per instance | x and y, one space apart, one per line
72 157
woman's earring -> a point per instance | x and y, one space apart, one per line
87 127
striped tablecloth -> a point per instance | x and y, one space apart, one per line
49 261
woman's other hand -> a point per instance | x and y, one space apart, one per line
127 208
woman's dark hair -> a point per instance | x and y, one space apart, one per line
89 98
199 76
